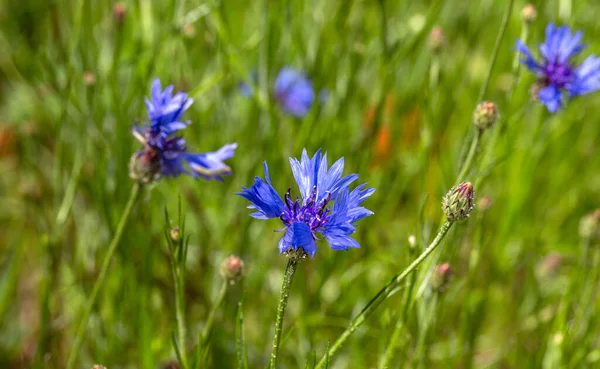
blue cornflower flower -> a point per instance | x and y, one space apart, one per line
327 206
165 153
556 70
294 92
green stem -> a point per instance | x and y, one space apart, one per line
89 306
290 270
385 292
470 156
503 27
469 161
389 352
180 311
203 338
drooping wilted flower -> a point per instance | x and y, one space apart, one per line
556 72
164 153
294 92
327 206
459 202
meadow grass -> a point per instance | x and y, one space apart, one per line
73 77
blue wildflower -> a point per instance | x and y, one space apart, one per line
556 71
164 153
294 92
327 206
244 87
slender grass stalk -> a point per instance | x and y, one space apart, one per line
180 312
385 292
241 353
496 50
288 277
201 349
89 305
468 163
389 352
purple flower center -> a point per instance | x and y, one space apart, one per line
558 74
314 214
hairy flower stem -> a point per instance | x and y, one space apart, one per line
89 305
290 270
385 292
202 348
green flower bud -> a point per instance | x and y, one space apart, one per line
437 40
144 166
528 14
232 269
175 234
459 202
485 115
441 277
589 226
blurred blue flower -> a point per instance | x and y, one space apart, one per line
166 151
245 89
294 92
327 206
556 71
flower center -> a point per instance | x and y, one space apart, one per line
558 74
314 214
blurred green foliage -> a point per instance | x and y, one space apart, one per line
73 75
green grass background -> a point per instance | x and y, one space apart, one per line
65 147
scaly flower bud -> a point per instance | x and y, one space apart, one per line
589 226
98 367
232 269
459 202
437 39
441 277
144 166
528 14
485 115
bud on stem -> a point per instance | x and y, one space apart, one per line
459 202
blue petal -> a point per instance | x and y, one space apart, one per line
298 235
306 172
587 77
263 197
528 60
165 111
172 164
551 97
331 181
560 45
340 241
210 165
